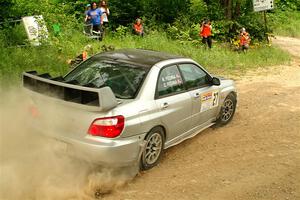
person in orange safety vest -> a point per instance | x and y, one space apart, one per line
138 27
206 33
244 40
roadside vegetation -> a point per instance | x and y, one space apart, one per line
286 23
167 31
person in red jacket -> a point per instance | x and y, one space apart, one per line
244 40
138 27
206 32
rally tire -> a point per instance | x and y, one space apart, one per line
227 110
153 150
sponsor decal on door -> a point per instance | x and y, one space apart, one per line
209 100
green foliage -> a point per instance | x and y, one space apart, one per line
124 12
46 58
198 10
286 23
5 6
183 29
254 23
16 60
225 30
227 17
288 4
166 11
170 25
215 11
178 34
13 35
121 32
52 58
61 13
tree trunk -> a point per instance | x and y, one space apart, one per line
228 9
237 9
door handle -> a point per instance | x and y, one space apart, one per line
196 95
165 105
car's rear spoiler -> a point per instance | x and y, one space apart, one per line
94 99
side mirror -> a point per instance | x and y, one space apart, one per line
215 81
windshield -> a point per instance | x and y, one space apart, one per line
124 79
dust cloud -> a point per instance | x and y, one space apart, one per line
30 167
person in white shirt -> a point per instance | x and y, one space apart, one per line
105 12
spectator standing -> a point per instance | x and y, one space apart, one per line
206 33
105 12
95 15
87 8
138 27
244 40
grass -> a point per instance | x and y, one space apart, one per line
286 23
52 58
219 59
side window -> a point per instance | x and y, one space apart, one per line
169 81
193 75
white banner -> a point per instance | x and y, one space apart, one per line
35 28
260 5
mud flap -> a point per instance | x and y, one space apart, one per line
142 148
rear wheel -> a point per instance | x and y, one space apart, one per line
153 149
227 110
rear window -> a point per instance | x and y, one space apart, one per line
124 79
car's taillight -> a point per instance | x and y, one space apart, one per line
107 127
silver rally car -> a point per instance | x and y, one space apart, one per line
126 106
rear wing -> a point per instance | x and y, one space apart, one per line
93 99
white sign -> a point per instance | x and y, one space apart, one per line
209 100
260 5
35 28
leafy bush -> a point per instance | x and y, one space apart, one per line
198 10
225 30
171 26
285 23
121 31
13 35
52 58
254 23
287 5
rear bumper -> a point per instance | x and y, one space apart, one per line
116 152
109 152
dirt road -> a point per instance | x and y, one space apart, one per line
256 156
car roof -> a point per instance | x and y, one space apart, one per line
142 57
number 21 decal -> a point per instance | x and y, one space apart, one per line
215 99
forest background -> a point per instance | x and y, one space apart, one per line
171 26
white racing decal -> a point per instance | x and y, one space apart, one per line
171 80
209 100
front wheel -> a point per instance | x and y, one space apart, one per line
153 149
227 110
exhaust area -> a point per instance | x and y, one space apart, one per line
32 168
